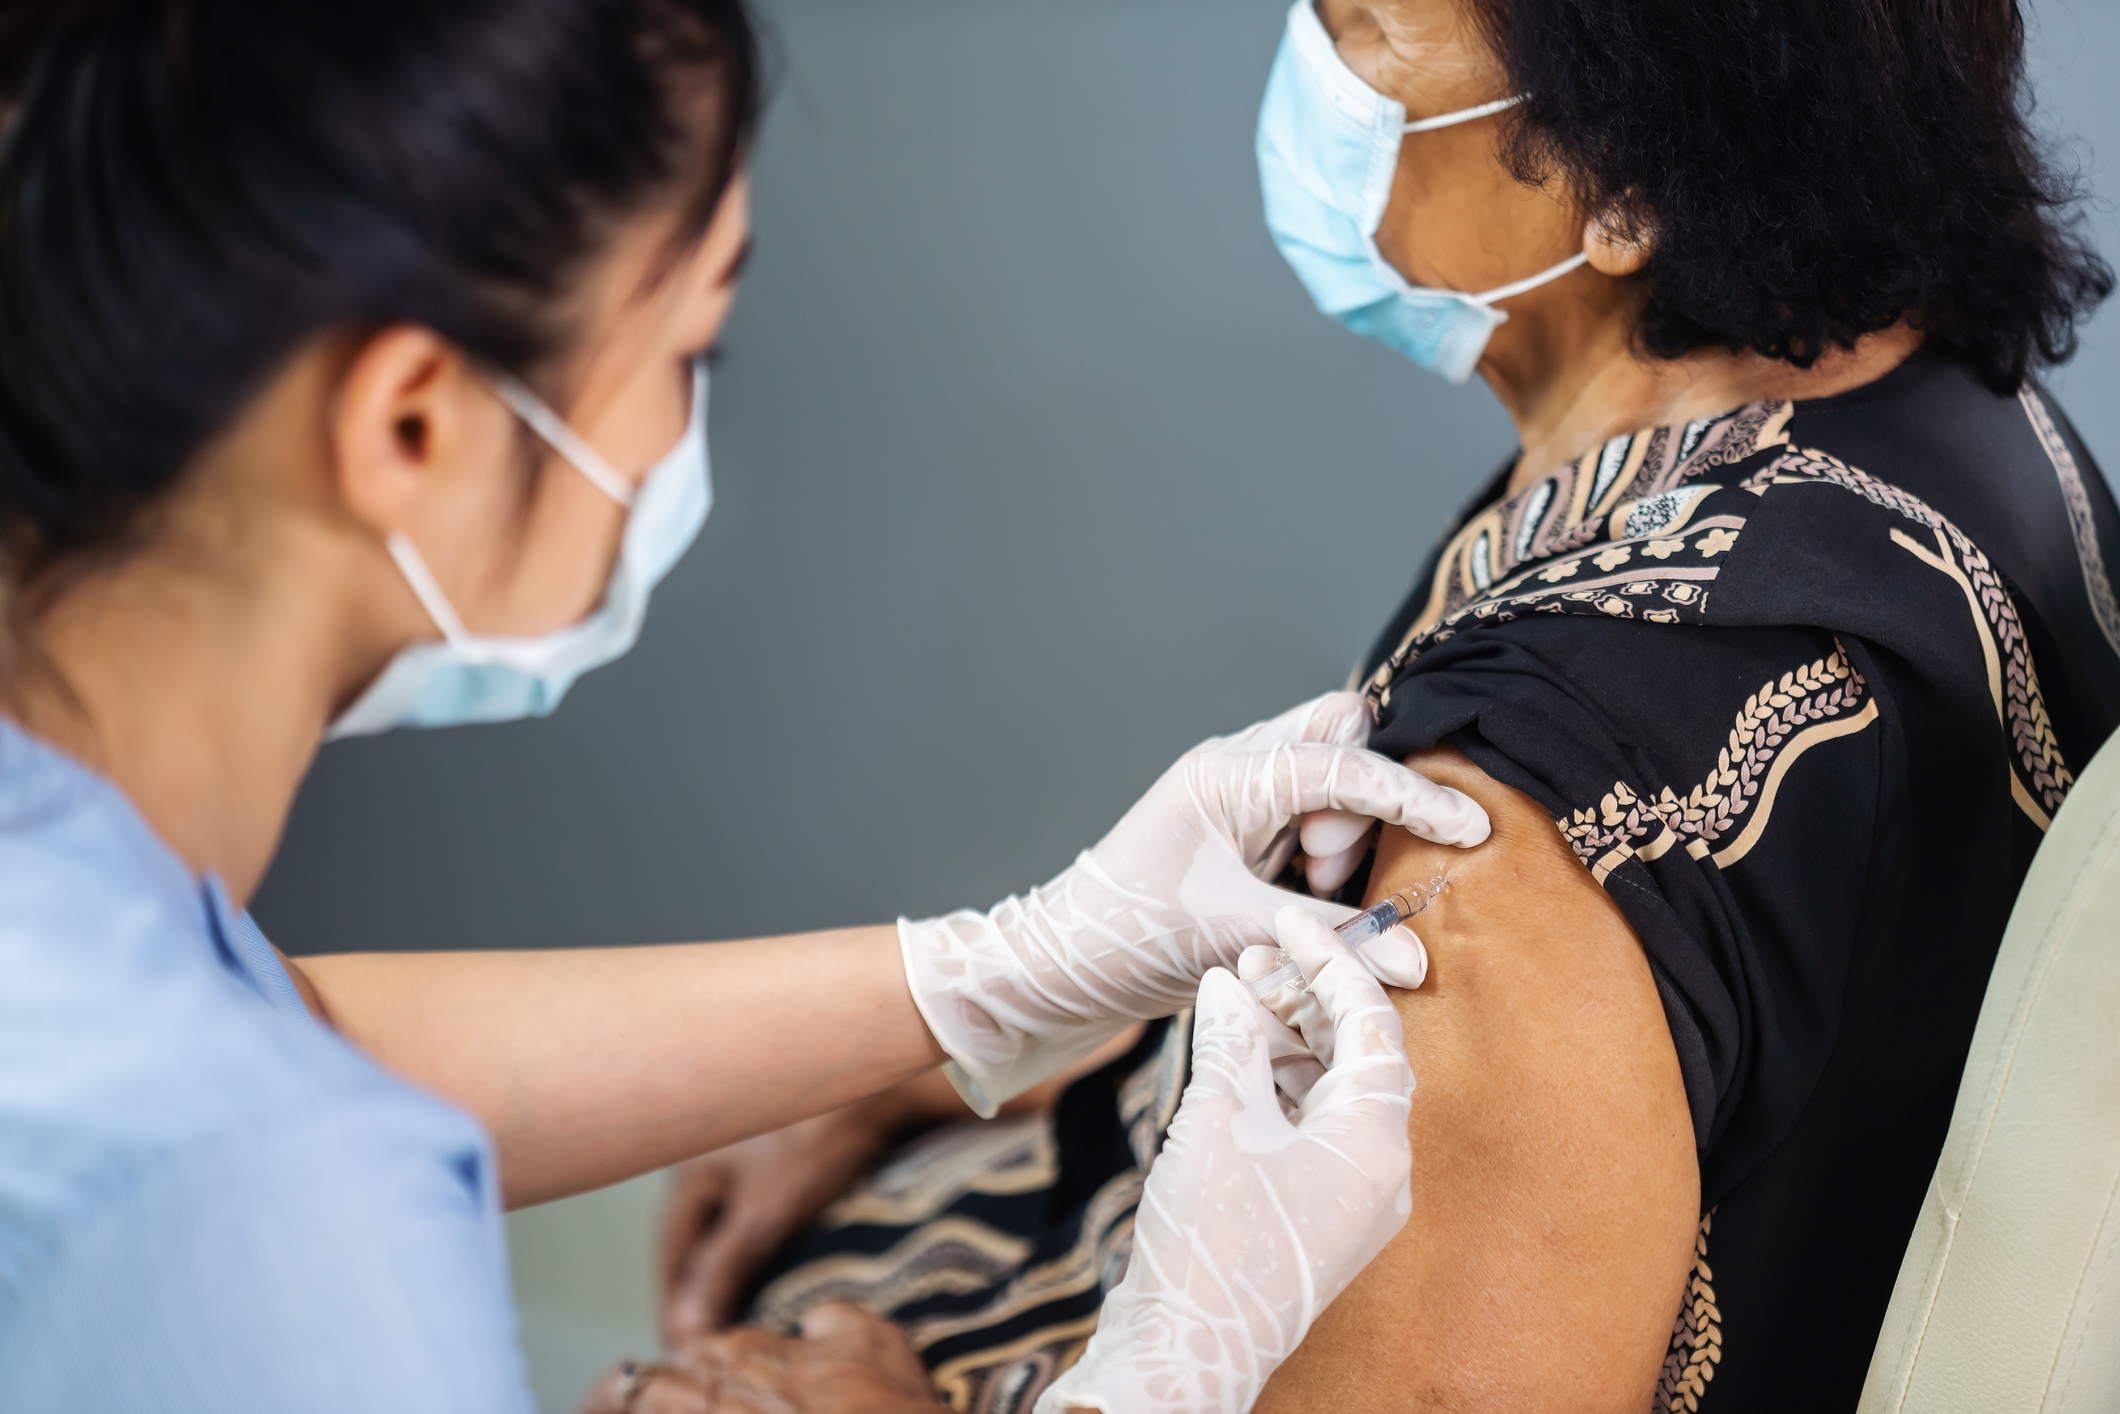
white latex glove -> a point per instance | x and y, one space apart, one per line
1020 992
1252 1221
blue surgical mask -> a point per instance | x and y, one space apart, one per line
470 677
1328 147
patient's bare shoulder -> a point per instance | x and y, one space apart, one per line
1555 1188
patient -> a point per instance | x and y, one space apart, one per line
1770 652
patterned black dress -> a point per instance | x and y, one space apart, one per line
1803 686
993 1244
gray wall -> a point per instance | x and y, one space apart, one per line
1033 467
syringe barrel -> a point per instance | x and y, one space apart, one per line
1371 922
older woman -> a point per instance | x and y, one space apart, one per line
1770 653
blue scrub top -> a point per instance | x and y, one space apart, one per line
209 1202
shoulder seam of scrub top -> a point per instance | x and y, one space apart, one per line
245 946
234 935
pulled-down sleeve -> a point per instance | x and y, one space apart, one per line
1724 785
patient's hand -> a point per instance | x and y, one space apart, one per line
730 1210
845 1362
1555 1189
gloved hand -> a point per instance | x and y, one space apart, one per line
1024 990
1252 1221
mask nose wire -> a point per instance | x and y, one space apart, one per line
563 439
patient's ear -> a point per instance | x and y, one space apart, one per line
1618 242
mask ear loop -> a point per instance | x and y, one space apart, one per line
428 590
1464 115
562 439
1532 282
1451 120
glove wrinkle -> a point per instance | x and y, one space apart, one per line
1237 1248
1125 934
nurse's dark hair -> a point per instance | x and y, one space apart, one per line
1809 171
192 190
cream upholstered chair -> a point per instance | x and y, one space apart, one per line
2008 1301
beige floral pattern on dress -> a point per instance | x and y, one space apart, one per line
2015 680
1696 1337
945 1250
2096 583
1633 486
1632 824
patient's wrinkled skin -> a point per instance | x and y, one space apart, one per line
728 1211
847 1362
1565 366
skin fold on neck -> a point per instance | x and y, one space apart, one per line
1571 385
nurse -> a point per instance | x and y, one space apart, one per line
351 377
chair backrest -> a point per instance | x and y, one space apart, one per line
2008 1300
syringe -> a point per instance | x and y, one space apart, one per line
1380 917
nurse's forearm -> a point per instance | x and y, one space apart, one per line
590 1066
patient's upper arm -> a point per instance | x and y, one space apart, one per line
1555 1188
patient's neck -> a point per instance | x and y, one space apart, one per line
1571 378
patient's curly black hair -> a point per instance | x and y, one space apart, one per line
1809 171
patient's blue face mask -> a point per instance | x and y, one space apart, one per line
1328 147
470 677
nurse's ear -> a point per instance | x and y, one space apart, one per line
410 425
